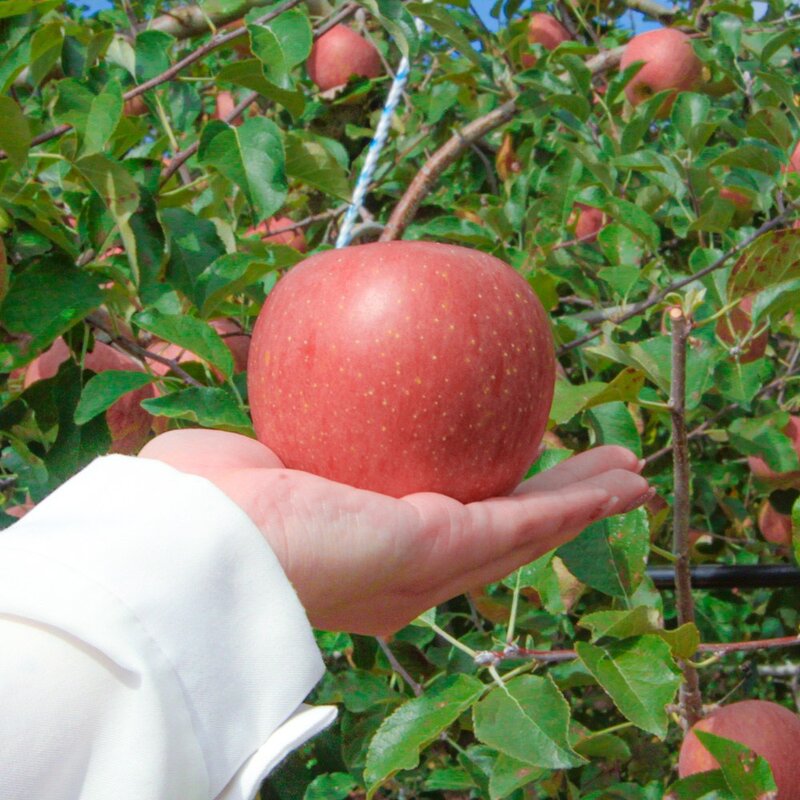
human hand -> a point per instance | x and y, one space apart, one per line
367 563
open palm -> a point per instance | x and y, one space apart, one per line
368 563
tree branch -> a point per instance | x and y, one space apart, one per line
618 316
691 702
454 147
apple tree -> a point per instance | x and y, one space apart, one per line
163 164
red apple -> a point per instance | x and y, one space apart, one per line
547 31
794 159
670 63
340 53
224 103
128 422
736 325
404 367
590 222
135 107
769 729
764 473
294 238
774 526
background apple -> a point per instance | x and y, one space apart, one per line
736 325
774 526
135 107
764 473
670 63
224 103
403 367
589 223
794 159
546 30
295 238
340 53
769 729
128 423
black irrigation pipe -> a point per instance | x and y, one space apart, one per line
763 576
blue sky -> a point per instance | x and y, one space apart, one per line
482 6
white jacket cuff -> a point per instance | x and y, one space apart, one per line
160 573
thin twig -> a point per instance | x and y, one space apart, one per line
140 352
654 299
691 701
398 667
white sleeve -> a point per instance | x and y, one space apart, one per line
151 646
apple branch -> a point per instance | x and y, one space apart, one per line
650 8
691 702
140 352
619 315
713 648
453 149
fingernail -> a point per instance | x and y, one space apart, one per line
641 464
607 507
639 501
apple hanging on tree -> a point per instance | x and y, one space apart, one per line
546 30
669 63
404 367
339 54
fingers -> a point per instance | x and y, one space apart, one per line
198 450
581 467
506 532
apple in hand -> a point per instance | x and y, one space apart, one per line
764 473
669 63
546 30
128 423
404 367
339 54
736 325
769 729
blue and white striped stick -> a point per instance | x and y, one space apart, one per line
375 147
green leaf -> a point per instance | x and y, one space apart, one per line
281 45
119 192
689 115
43 302
771 259
332 786
252 157
527 718
635 218
706 785
75 445
612 423
412 727
309 161
46 45
620 624
193 334
249 72
439 19
739 383
572 398
747 774
639 675
610 555
15 133
152 54
194 246
208 407
14 8
764 437
751 154
233 272
510 774
104 389
398 22
104 115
